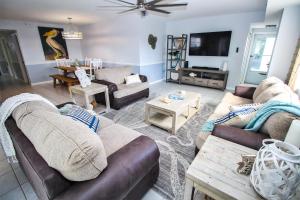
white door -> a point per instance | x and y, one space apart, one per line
259 58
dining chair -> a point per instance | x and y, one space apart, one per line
95 64
87 62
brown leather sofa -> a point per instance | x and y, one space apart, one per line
120 94
117 103
131 171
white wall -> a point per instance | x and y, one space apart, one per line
115 40
123 40
30 42
288 35
239 24
157 27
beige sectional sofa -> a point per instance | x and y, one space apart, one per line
270 89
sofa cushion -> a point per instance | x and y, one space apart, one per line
278 125
231 99
116 136
126 170
105 122
66 145
126 90
280 92
31 106
264 85
224 107
114 75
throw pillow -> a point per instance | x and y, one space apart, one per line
240 107
84 80
239 118
133 79
80 114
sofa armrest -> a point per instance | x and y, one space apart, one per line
143 78
244 91
249 139
112 87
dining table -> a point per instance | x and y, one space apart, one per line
67 70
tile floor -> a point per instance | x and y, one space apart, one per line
13 183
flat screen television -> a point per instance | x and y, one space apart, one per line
210 44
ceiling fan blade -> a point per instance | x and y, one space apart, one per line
116 6
154 2
170 5
126 2
125 11
117 3
159 10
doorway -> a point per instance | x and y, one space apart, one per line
259 56
12 67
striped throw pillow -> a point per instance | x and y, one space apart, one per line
80 114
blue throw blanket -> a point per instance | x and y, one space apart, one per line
261 116
268 109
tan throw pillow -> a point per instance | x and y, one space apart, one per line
264 85
278 125
66 145
240 121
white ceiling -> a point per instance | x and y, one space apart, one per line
85 11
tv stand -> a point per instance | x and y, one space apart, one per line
204 77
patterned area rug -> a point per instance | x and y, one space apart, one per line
176 151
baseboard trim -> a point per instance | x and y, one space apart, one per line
158 81
40 83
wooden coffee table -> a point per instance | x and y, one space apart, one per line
171 116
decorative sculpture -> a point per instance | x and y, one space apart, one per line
152 41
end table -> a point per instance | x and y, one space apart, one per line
90 90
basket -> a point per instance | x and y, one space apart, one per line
276 170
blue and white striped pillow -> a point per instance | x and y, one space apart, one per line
80 114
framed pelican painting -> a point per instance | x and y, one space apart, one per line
54 45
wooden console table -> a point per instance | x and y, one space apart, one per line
204 77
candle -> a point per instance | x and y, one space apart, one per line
293 135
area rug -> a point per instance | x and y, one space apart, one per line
176 151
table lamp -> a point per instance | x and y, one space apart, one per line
293 135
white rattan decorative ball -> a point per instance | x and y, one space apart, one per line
276 170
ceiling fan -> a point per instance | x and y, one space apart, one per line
142 5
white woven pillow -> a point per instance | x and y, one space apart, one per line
133 79
240 107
